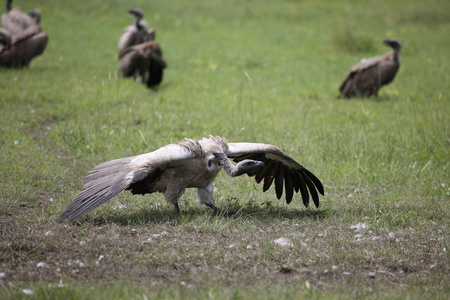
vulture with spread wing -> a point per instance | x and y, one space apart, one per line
367 77
194 164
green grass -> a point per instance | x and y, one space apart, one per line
255 71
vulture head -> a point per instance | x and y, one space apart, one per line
246 166
394 44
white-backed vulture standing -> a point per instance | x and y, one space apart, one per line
137 33
193 164
22 47
136 60
16 21
367 77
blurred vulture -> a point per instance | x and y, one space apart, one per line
193 164
137 60
137 33
22 37
18 50
367 77
15 21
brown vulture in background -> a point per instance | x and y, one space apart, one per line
21 37
139 59
367 77
15 21
135 34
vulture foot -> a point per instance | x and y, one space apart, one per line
177 208
220 212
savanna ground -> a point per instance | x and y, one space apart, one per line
255 71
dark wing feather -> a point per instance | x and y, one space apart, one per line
279 168
279 177
265 173
267 182
296 181
316 180
303 190
108 179
312 189
288 186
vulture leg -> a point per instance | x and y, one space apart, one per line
220 212
205 197
172 196
177 208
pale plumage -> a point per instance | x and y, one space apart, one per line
135 34
368 76
194 164
16 21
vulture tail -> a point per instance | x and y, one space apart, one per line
100 184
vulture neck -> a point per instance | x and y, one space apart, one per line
138 22
227 166
396 56
8 5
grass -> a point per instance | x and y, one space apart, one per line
256 71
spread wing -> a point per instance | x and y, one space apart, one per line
280 168
108 179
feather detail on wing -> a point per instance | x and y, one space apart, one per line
108 179
280 168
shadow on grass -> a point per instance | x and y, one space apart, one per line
161 216
380 98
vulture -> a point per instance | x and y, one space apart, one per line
138 60
367 77
137 33
194 164
15 21
18 50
